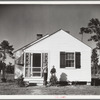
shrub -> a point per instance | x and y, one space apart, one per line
20 81
10 69
26 83
3 79
53 80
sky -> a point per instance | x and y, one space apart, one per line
19 24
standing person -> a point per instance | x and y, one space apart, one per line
45 71
53 70
53 79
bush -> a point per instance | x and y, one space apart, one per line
63 83
53 80
95 82
3 79
10 69
26 83
20 81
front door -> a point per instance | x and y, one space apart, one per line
36 65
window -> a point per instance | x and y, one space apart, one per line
70 59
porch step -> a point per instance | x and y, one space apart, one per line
38 81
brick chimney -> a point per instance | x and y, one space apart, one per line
39 36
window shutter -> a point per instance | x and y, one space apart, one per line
62 60
78 60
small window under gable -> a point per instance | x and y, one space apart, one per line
70 59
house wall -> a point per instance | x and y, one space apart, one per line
62 41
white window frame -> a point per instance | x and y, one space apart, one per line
68 59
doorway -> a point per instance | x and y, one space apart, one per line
36 64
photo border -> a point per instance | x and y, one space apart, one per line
58 2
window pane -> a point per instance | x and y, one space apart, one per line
69 63
73 56
72 63
69 56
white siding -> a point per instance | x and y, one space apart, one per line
62 41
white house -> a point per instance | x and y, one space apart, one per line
70 56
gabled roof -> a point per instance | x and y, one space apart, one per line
44 37
30 44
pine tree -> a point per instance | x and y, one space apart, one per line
93 27
94 60
5 48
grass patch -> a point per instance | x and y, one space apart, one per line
11 88
14 89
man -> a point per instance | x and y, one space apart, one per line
45 71
53 70
53 79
